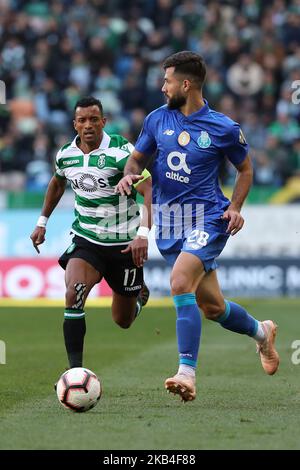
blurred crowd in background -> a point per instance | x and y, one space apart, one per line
54 52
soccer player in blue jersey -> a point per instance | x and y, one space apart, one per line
190 141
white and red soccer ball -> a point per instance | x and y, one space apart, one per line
78 389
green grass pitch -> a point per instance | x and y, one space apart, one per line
237 405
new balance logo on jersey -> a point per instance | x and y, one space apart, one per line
168 132
176 161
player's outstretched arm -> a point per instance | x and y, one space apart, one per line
241 189
139 246
132 172
55 190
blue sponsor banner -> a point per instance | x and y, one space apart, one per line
16 227
265 278
247 277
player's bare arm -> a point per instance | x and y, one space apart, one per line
241 189
139 246
55 190
145 189
132 172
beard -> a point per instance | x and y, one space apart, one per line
176 102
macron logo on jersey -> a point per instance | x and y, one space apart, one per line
71 162
176 162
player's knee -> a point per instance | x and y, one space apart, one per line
180 284
75 295
212 311
70 296
123 323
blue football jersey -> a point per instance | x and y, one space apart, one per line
189 151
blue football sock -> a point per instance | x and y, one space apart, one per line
188 328
237 319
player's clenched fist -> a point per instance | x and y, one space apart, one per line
125 184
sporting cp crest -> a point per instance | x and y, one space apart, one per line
204 140
101 161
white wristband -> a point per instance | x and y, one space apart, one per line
143 232
42 221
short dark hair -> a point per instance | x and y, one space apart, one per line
89 101
188 63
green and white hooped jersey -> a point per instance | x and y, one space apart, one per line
101 216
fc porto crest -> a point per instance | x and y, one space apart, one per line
101 161
204 140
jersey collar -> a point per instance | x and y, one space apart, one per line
196 114
104 144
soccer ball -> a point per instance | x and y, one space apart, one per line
79 389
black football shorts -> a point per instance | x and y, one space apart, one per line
117 268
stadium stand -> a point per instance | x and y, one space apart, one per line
53 52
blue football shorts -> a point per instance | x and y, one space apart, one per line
207 243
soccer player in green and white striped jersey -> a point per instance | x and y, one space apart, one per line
110 238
